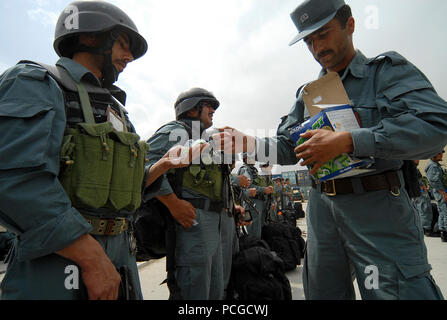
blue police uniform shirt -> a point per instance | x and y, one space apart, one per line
33 203
434 175
401 114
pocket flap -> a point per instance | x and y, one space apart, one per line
410 271
399 89
127 138
29 109
96 129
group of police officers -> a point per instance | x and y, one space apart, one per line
73 171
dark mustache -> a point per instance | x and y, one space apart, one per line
321 54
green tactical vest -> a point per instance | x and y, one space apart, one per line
101 167
260 181
206 180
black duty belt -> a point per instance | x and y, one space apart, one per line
260 196
383 181
215 206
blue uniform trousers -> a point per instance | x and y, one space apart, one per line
199 270
375 235
255 228
423 207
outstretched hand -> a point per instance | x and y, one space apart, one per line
241 210
232 141
181 156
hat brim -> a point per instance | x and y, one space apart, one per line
312 29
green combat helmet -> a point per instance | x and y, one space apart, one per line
96 17
189 99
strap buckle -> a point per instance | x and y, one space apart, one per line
395 191
334 191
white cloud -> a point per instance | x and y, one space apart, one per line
3 67
43 16
188 48
232 50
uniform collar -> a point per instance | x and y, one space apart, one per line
358 67
77 71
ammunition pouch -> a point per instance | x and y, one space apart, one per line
260 181
102 167
206 180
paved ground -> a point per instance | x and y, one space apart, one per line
153 273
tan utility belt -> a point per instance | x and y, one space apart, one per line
106 227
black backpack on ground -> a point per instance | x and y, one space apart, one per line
154 230
286 240
150 230
290 216
257 273
299 212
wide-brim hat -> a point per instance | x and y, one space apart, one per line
311 15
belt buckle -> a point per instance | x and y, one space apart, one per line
334 192
110 227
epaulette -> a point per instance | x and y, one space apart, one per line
394 57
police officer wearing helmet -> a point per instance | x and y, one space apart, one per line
435 174
258 192
65 189
195 197
358 224
270 199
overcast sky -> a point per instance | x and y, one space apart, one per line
237 49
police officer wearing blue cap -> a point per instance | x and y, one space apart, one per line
365 225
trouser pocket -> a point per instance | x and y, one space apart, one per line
416 283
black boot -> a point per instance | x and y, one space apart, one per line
444 236
430 233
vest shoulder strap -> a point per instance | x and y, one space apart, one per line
57 73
